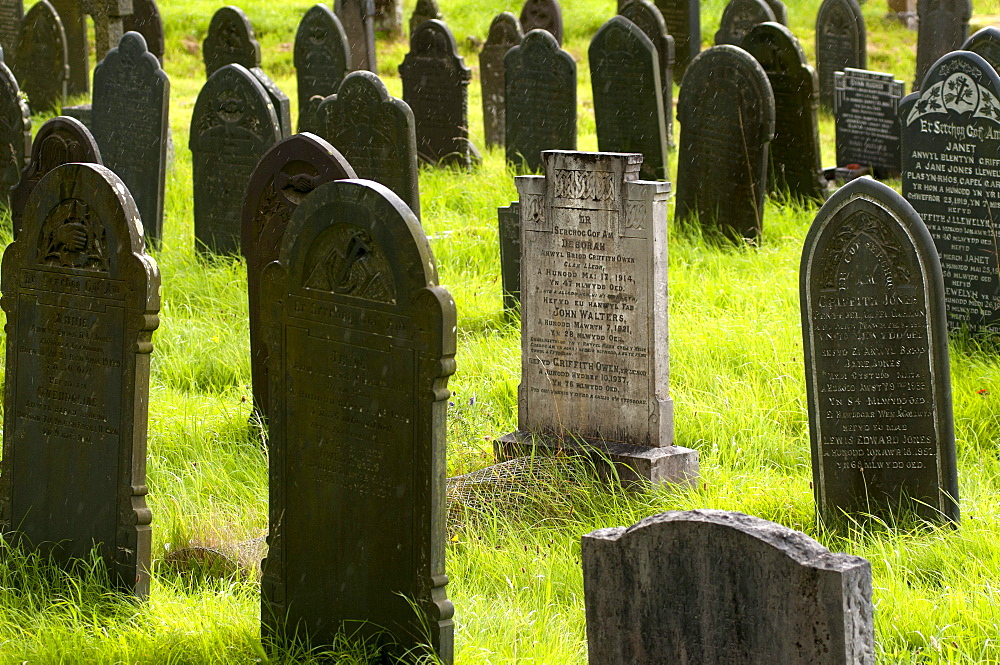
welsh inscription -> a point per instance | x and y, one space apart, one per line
866 109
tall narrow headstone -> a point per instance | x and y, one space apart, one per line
628 99
707 587
322 60
726 112
11 13
81 298
876 356
425 10
505 33
985 43
649 19
944 26
840 43
282 105
509 223
866 109
683 18
362 343
540 84
15 134
738 17
145 19
109 17
357 17
542 15
42 64
74 23
232 126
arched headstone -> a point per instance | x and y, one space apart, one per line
145 19
649 19
840 43
505 33
15 134
230 40
683 19
425 10
322 60
542 15
943 27
985 43
74 22
357 17
738 17
42 63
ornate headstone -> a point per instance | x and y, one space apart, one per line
356 16
708 587
81 298
425 10
375 133
230 40
15 134
649 19
509 223
876 356
540 84
542 15
985 43
362 343
233 125
726 112
944 26
505 33
866 109
840 43
628 99
285 175
683 19
11 13
322 60
41 66
145 19
109 16
738 17
74 23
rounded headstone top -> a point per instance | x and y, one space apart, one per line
785 60
505 29
543 15
132 45
738 17
432 37
985 42
230 40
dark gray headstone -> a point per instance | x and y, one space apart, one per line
876 356
109 26
649 19
726 112
82 112
282 105
866 109
505 33
41 66
145 19
509 223
74 22
840 43
322 59
542 15
375 132
230 41
285 175
985 43
15 134
11 13
794 158
628 99
59 141
357 17
709 587
738 17
131 103
683 18
232 126
540 83
362 343
780 11
944 26
425 10
81 298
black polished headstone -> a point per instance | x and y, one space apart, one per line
74 23
683 19
425 10
649 19
322 60
505 33
944 27
42 64
11 13
866 110
840 43
985 43
230 41
509 223
145 19
357 16
738 17
15 134
542 15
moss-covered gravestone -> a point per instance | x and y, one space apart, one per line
81 298
41 65
649 19
15 134
505 33
322 60
362 343
840 43
738 17
542 15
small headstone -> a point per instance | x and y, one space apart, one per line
357 18
649 19
505 33
509 222
81 298
866 109
628 99
41 66
726 112
145 19
375 133
708 587
943 27
11 13
738 17
288 172
876 356
230 41
425 10
15 134
540 84
683 18
840 43
109 16
362 343
232 126
74 22
542 15
985 43
322 60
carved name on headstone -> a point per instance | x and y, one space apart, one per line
505 33
322 59
840 43
866 109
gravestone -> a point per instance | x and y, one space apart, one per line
389 17
707 587
649 19
322 59
594 375
425 10
82 112
109 16
282 105
540 84
286 174
59 141
951 176
232 126
11 13
866 109
726 112
357 18
375 133
41 66
628 99
738 17
683 19
509 223
145 19
986 43
542 15
81 298
74 23
944 26
840 43
505 33
131 104
363 342
876 357
780 11
15 134
794 153
436 88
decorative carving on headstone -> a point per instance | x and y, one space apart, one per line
986 43
230 40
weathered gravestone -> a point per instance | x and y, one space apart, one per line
876 357
15 134
951 176
59 141
738 17
82 112
866 108
109 27
436 88
840 43
540 84
356 16
288 172
648 18
145 19
81 298
794 154
542 15
362 343
375 133
985 43
944 26
505 33
41 66
233 125
683 19
389 17
11 13
425 10
594 376
322 59
131 103
726 112
509 223
74 23
628 99
780 11
707 587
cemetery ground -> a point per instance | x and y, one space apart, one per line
514 560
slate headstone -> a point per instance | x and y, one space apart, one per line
82 112
866 109
738 17
780 11
11 13
282 105
286 174
74 23
230 40
683 18
710 587
145 19
81 298
840 43
425 10
232 126
876 357
986 43
944 26
509 223
649 19
109 17
322 59
542 15
362 342
628 99
505 33
42 64
540 84
726 112
15 134
357 18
